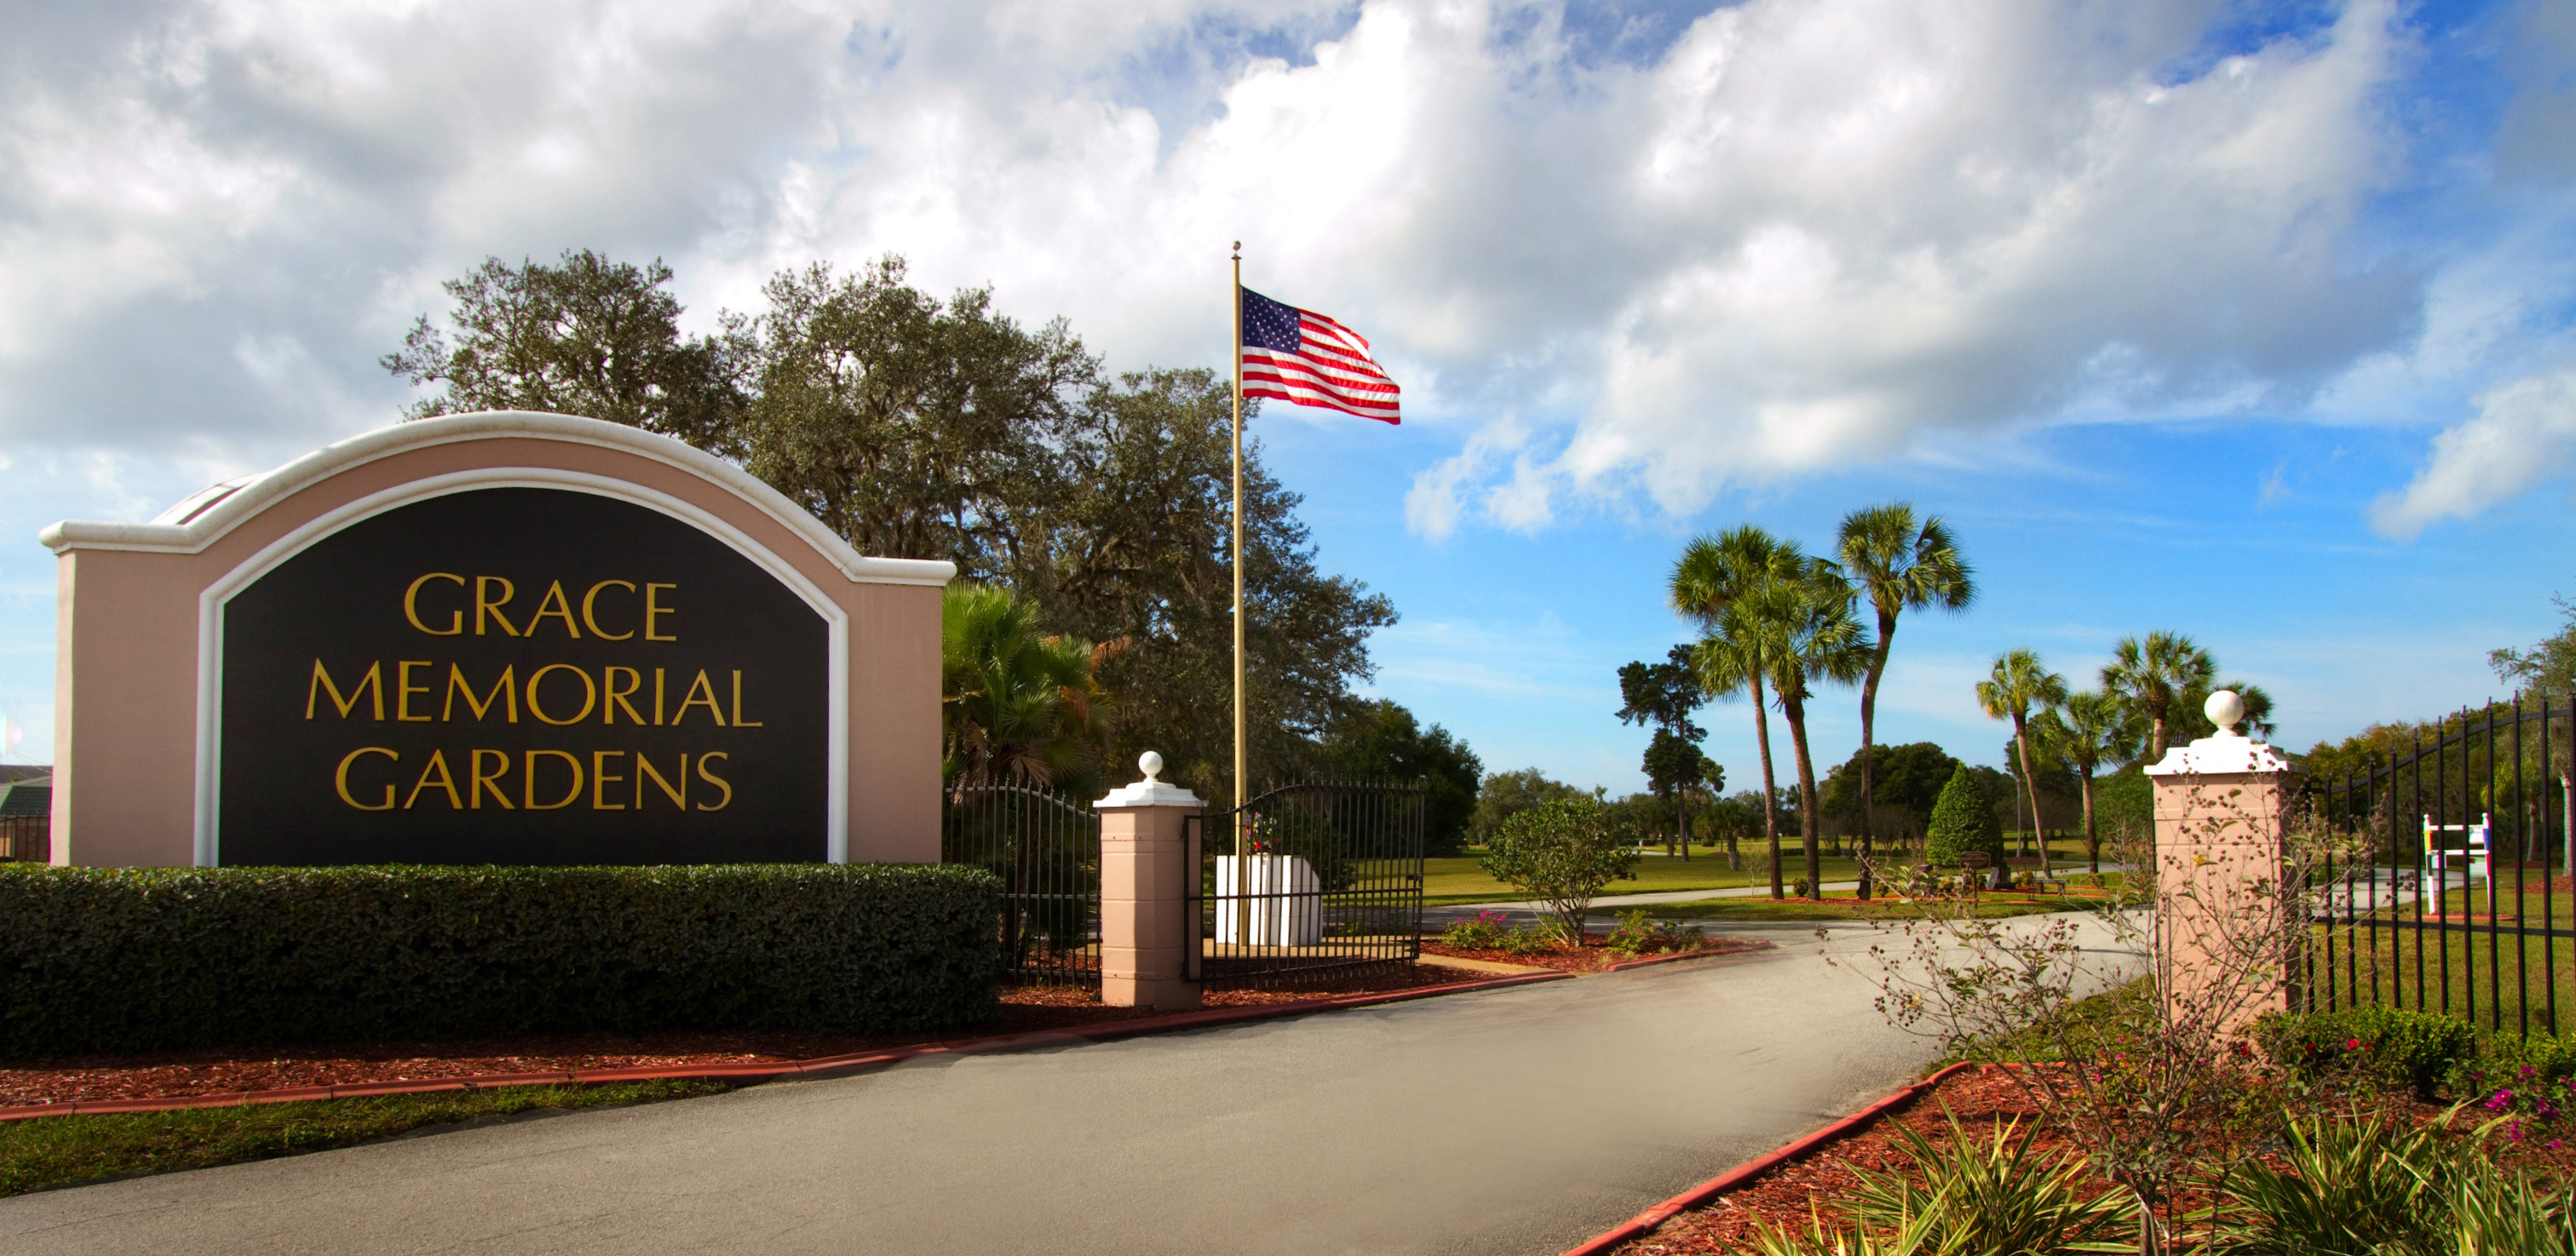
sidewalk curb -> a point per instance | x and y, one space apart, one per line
1645 1222
814 1069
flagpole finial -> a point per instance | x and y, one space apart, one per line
1238 250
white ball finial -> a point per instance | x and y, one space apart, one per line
1149 763
2225 710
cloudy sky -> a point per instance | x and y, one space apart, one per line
2253 321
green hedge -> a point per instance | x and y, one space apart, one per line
2396 1048
126 959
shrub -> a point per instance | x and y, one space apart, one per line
129 959
2391 1047
1534 938
1562 852
1963 819
2520 1079
1641 934
1483 933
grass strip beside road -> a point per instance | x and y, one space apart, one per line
1989 907
68 1150
1458 880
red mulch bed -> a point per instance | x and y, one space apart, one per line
168 1074
1983 1099
1591 957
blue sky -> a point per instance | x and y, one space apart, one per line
2252 321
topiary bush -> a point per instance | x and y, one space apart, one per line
130 959
1963 819
2399 1049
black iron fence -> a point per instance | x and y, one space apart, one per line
2443 883
1307 883
1046 849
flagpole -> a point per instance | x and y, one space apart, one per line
1236 301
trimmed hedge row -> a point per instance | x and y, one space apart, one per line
126 959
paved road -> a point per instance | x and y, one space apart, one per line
1515 1121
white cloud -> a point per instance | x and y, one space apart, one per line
1787 235
2522 434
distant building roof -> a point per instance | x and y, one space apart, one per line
27 798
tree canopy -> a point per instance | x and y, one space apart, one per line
921 428
1381 741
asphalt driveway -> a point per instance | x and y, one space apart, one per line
1514 1121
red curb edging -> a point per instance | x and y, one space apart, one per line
819 1067
1645 1222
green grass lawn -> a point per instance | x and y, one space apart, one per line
66 1150
2491 980
1459 880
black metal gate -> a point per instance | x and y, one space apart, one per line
2454 894
1306 883
1046 849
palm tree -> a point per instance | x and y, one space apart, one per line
1900 566
1808 636
2153 675
2019 687
1018 707
2093 729
1714 572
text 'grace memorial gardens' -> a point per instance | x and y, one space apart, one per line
493 638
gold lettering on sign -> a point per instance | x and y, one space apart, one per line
644 768
654 610
484 605
411 610
555 605
373 684
438 765
404 689
570 761
492 780
711 779
504 690
591 622
738 721
700 694
618 697
657 697
340 779
600 779
589 695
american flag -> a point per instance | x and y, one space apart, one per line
1306 359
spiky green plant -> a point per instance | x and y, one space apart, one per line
2348 1187
1992 1194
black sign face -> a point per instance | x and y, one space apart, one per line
522 676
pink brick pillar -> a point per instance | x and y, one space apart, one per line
2222 860
1145 873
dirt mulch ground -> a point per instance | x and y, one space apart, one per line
1593 956
1983 1099
166 1074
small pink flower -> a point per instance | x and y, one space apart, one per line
2352 1044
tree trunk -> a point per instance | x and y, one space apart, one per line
1795 709
1868 748
1770 792
2030 785
2092 836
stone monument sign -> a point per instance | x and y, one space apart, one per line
492 638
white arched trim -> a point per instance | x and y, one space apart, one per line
210 622
205 518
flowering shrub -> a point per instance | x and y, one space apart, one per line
1484 933
2521 1080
